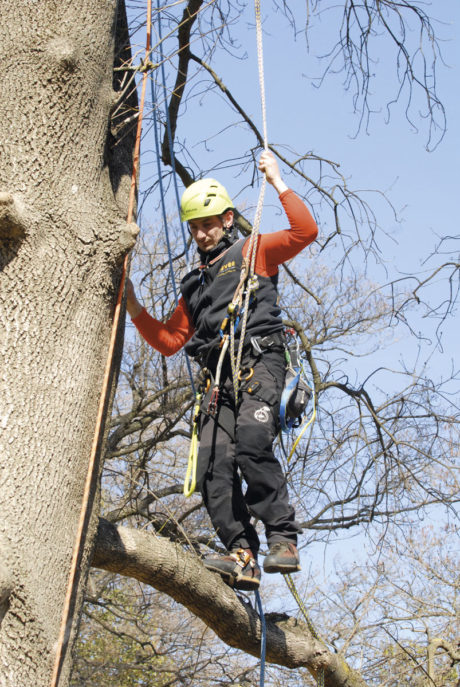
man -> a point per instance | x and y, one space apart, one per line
237 436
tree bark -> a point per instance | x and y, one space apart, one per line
62 240
167 567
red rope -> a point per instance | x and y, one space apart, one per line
105 390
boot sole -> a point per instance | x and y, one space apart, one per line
244 583
283 569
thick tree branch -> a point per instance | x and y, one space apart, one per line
180 574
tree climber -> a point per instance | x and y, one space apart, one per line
237 436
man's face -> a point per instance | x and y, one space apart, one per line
208 231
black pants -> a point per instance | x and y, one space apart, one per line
242 438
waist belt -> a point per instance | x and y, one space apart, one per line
263 343
258 344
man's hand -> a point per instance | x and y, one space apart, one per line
132 304
269 166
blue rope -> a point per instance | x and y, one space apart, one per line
160 181
263 639
168 129
165 222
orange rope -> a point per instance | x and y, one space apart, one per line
64 629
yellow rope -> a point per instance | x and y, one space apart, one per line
190 477
311 627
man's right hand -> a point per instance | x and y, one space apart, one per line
269 166
132 304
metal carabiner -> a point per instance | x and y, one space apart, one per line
248 371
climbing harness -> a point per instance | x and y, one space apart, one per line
103 400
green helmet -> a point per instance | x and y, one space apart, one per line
204 198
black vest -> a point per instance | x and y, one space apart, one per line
209 289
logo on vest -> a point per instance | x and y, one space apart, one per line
228 267
262 414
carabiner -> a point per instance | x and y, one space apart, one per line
248 371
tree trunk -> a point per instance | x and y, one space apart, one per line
62 240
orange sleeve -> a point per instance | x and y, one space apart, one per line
279 246
167 337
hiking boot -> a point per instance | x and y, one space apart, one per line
238 569
282 558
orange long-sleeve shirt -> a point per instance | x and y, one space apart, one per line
273 249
